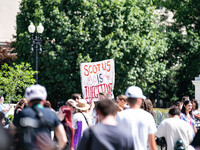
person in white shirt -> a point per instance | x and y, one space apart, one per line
140 122
3 108
80 120
174 129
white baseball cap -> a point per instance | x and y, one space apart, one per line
35 92
134 92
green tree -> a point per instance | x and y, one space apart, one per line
14 79
91 30
183 47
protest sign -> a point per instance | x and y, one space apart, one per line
97 77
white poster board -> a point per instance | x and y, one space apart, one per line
97 77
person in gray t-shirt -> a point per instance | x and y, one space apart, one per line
108 134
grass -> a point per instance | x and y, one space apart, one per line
162 110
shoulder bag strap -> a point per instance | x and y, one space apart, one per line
2 105
41 117
85 119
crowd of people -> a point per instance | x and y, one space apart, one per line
126 123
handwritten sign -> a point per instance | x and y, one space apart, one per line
97 77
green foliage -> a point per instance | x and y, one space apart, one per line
11 117
91 30
14 79
183 48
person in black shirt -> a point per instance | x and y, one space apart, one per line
196 141
108 134
39 120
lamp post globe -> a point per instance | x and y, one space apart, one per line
36 43
40 28
31 28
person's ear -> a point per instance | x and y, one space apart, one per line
98 112
43 102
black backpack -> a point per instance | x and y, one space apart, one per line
31 132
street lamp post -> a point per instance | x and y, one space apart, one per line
36 43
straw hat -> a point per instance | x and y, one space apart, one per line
71 102
82 105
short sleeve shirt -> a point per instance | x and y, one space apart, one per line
107 137
141 123
49 116
185 118
80 117
0 107
28 114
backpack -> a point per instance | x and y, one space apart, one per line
30 133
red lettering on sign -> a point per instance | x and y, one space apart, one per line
109 66
104 66
86 73
98 65
94 68
90 70
93 91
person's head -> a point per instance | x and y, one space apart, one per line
2 119
187 107
105 108
76 96
47 104
71 104
148 106
103 96
21 103
82 105
134 96
1 99
179 104
184 98
121 100
35 94
174 111
195 105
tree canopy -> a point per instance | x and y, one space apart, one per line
183 48
91 30
14 79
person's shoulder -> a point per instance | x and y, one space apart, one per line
184 123
98 126
144 113
48 112
86 114
26 110
126 111
87 132
168 121
77 116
